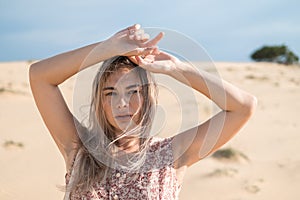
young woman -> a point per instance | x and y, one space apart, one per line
115 157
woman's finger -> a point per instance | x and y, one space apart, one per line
129 30
140 51
139 32
140 61
144 51
155 40
133 59
144 38
139 37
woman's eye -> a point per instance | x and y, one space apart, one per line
110 94
133 92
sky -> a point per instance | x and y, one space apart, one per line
228 30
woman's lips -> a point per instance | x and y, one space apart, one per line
123 117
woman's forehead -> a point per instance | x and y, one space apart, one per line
123 77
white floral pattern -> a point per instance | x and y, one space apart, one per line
157 181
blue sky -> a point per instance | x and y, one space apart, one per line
228 30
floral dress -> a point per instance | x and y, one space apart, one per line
157 180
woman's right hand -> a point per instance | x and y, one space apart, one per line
132 41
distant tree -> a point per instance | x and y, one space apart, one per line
278 54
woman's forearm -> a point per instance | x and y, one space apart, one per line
227 96
57 69
130 41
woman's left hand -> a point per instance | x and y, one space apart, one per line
157 62
131 41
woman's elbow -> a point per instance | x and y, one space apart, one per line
249 105
32 72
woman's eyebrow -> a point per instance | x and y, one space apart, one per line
108 88
128 87
133 86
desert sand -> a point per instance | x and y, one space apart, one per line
267 165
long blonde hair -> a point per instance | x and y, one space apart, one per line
97 153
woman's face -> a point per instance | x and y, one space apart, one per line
122 99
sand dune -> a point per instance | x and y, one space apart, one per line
31 166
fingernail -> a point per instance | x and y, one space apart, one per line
137 26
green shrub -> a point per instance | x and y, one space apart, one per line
229 154
279 54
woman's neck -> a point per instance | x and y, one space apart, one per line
129 144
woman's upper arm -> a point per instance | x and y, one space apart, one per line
198 142
55 113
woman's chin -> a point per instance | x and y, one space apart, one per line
125 127
125 123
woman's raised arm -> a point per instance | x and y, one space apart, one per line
46 75
237 107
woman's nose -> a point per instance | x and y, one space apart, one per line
122 103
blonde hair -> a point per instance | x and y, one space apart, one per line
97 153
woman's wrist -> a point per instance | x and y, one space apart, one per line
108 49
180 69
